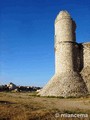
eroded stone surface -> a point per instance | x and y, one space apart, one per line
72 61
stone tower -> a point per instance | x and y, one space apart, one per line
67 81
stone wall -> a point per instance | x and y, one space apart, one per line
86 55
66 57
86 64
64 42
64 27
72 61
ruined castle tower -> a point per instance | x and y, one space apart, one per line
67 81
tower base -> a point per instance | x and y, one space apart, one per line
65 85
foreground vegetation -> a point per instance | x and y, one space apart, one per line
28 106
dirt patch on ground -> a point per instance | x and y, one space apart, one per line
28 106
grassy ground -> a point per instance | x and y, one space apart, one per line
28 106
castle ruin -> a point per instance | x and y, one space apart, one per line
72 61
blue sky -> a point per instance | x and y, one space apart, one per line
27 37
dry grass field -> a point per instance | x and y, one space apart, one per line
28 106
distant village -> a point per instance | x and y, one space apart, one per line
12 87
